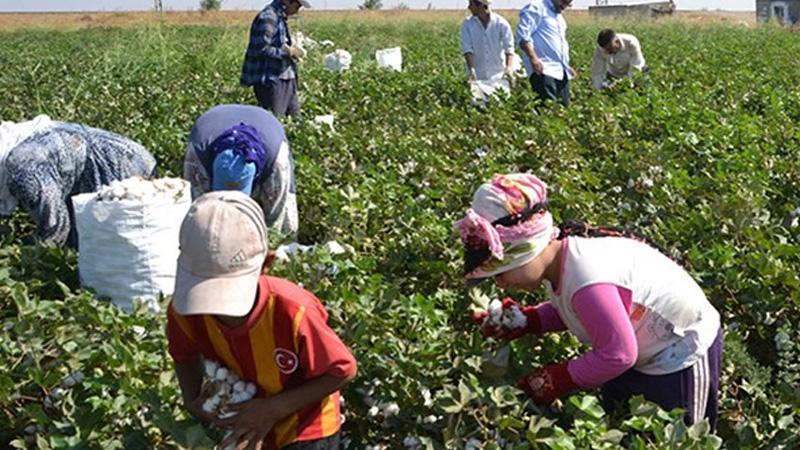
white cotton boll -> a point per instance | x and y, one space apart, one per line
239 386
495 308
373 411
211 368
411 442
473 444
221 374
426 395
250 388
232 378
238 397
514 318
246 395
391 409
119 191
429 420
334 248
208 406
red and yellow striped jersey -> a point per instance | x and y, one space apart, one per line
285 342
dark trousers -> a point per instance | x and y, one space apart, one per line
675 390
549 88
329 443
279 96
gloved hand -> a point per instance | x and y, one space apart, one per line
297 52
508 74
545 385
503 329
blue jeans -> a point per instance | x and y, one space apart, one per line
549 88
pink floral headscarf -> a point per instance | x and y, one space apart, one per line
511 246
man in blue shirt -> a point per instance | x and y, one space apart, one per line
542 37
270 61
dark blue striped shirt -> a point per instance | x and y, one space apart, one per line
267 58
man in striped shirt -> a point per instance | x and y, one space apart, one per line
270 61
267 330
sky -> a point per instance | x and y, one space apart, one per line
139 5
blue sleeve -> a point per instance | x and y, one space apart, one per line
266 28
529 19
43 198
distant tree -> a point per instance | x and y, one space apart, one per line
430 5
371 4
402 5
210 5
158 6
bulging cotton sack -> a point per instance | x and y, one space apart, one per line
338 61
128 239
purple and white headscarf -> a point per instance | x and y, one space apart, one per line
507 226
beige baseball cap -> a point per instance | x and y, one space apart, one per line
223 243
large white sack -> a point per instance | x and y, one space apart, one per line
482 90
128 249
339 60
391 58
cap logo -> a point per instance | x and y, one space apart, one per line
238 260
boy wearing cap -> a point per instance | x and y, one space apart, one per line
244 148
267 330
270 60
616 56
487 43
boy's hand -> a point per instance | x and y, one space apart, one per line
196 409
252 423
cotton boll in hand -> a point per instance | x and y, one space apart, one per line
210 367
221 375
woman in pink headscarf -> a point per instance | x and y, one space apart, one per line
651 328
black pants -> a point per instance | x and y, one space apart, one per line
549 88
279 96
329 443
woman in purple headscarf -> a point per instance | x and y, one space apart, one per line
651 328
242 147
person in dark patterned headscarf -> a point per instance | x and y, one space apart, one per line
43 163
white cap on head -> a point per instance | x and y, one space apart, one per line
223 243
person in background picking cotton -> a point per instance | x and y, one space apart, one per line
267 330
542 37
44 162
270 62
617 56
651 328
487 43
244 148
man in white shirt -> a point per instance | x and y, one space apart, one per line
487 43
542 37
616 56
